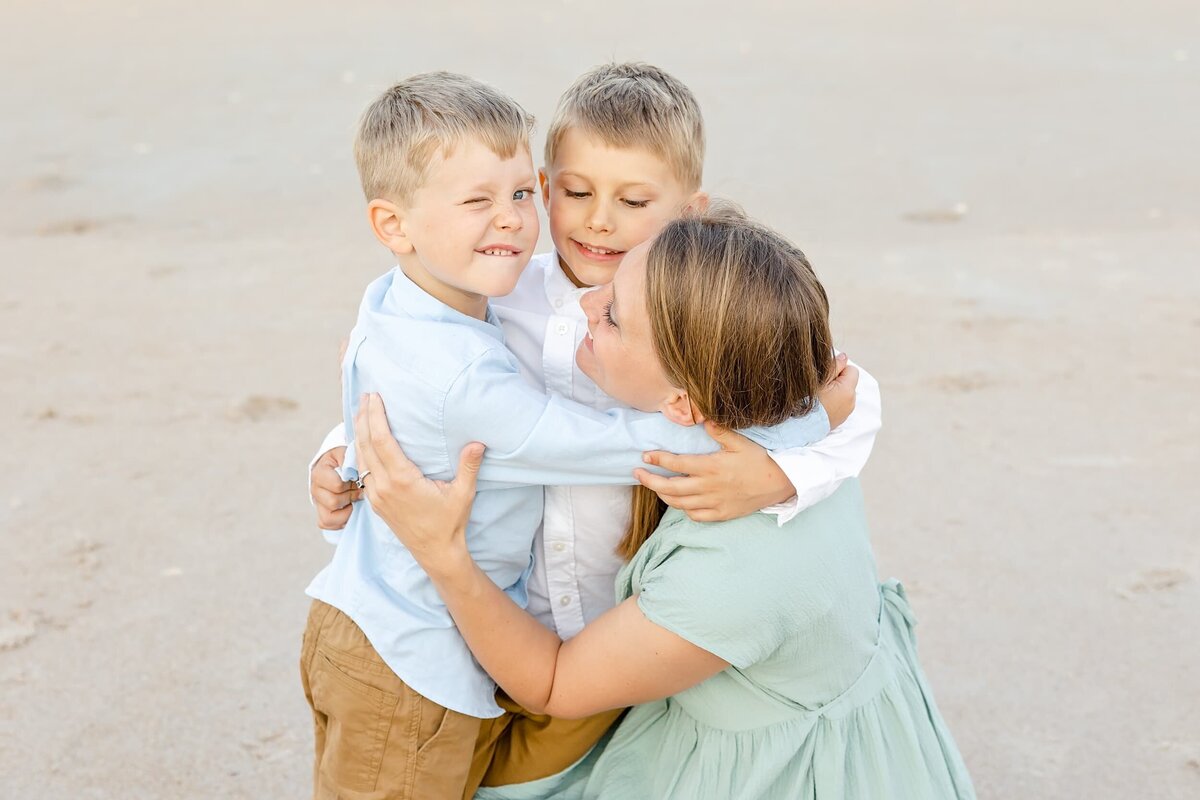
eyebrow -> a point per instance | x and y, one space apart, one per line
625 185
490 186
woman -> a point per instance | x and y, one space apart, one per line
763 660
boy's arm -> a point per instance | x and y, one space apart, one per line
327 492
535 439
743 478
331 496
816 472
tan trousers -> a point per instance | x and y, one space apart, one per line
377 739
519 746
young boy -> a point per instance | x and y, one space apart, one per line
397 698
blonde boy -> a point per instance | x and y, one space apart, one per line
446 169
624 154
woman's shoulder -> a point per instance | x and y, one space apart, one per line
803 563
703 545
835 524
742 588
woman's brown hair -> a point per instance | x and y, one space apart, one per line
739 320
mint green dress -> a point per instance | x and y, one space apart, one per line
824 698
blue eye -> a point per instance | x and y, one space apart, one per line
522 194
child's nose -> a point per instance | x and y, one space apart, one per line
598 219
508 218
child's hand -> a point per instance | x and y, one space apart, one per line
737 480
837 396
330 494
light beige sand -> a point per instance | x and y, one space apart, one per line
1005 205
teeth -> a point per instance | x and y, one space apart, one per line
497 252
600 251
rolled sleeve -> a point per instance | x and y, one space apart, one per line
816 472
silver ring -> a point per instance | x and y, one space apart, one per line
361 478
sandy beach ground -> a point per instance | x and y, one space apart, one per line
1003 200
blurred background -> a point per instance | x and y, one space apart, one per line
1003 200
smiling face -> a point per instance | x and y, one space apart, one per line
469 230
602 201
618 352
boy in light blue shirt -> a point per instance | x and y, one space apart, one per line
396 695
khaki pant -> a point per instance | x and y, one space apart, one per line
377 739
519 746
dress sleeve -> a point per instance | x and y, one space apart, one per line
730 590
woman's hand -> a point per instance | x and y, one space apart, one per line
428 517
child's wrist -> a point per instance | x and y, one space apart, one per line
781 496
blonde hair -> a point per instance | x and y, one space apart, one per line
739 320
427 114
635 105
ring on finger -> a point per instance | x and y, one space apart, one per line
361 478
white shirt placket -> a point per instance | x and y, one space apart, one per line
558 366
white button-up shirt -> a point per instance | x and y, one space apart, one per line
575 563
574 560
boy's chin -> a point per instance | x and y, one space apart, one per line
498 283
589 274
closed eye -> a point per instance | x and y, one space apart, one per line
608 314
576 195
635 203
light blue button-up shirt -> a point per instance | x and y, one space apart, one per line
446 380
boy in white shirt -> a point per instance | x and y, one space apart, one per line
624 155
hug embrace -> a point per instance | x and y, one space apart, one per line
503 617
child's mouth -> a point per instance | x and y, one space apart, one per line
596 253
503 251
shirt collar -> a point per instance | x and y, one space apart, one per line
400 293
559 286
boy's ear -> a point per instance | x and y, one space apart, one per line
697 203
679 409
544 180
388 222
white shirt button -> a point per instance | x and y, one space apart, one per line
558 302
561 330
564 600
560 546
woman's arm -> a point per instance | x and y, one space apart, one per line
619 660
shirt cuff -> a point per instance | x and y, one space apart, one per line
335 438
784 512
